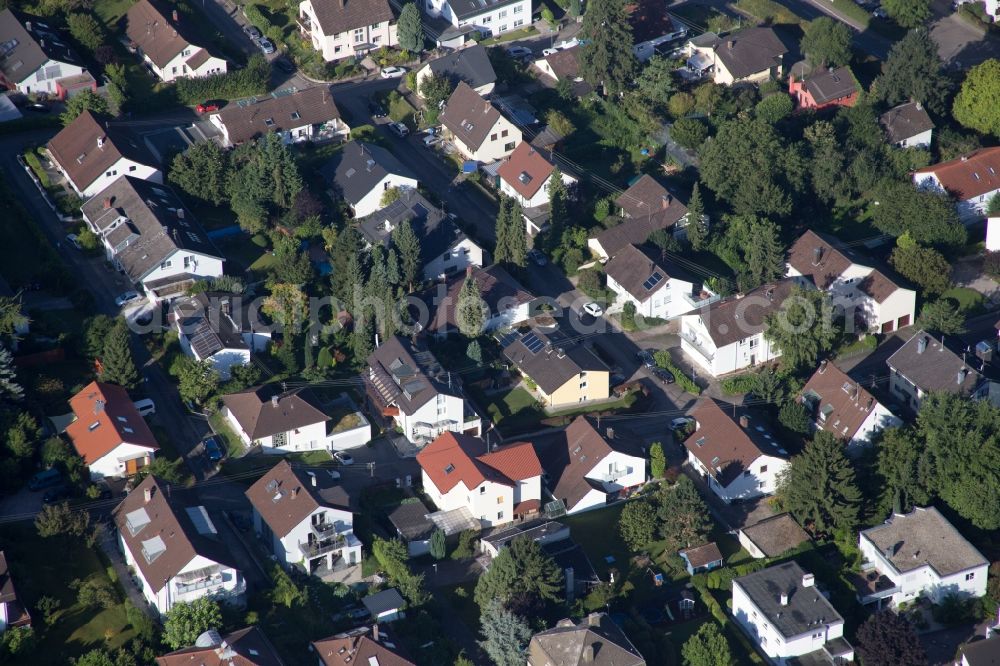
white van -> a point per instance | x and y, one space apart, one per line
145 406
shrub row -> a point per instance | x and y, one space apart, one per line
251 80
663 360
739 384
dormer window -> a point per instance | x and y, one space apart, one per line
269 122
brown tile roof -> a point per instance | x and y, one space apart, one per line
105 418
164 518
816 257
877 285
935 368
244 647
25 51
357 649
970 175
596 640
647 206
266 410
299 492
565 63
905 121
405 374
828 84
198 59
453 457
649 20
702 555
468 116
336 16
526 170
550 358
152 28
750 51
248 119
498 289
634 269
17 614
738 318
725 447
76 149
843 401
776 535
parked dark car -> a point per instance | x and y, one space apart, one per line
664 376
57 494
212 449
38 107
45 479
285 65
646 358
376 109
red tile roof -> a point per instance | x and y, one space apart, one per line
526 170
454 457
723 445
105 419
970 175
844 402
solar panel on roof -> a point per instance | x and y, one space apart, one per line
653 280
205 342
532 343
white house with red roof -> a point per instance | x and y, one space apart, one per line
526 175
973 180
843 407
108 432
459 471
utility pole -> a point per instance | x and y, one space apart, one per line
371 469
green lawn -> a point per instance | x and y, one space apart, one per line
242 251
969 301
45 567
110 11
510 36
232 442
516 407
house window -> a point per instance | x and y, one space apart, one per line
752 343
518 9
504 133
503 13
763 468
132 168
279 440
500 499
187 262
376 39
336 49
165 264
746 472
970 576
493 137
583 384
488 19
173 70
499 515
482 490
760 484
518 22
508 146
374 26
503 28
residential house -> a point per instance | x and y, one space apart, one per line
407 387
908 126
164 41
972 180
990 7
924 364
526 175
304 518
385 606
108 432
646 206
734 452
786 615
544 532
356 647
701 558
298 115
362 173
728 335
341 29
92 153
221 328
651 27
922 555
173 548
585 469
752 55
36 59
444 249
597 639
244 647
870 299
413 526
470 64
565 371
13 613
843 408
657 288
149 235
772 537
477 129
564 64
507 302
822 88
495 486
285 421
488 18
980 652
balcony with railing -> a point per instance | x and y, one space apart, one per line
317 548
695 342
212 578
615 474
872 586
325 531
701 299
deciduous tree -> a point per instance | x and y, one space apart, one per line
684 518
977 104
83 101
197 380
927 217
827 42
657 460
818 486
637 524
888 639
904 466
10 389
707 647
774 108
186 621
803 328
923 265
908 13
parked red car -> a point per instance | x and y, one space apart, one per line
207 107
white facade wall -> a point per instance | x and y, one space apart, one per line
507 136
969 209
333 127
993 234
725 78
182 262
666 303
493 21
761 480
4 616
222 361
745 353
341 45
425 72
45 77
178 67
446 413
897 310
925 581
922 140
878 419
460 256
287 548
493 503
540 197
770 640
123 167
112 464
371 202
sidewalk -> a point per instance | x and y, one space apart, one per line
109 546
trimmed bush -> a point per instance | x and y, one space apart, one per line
251 80
664 361
739 384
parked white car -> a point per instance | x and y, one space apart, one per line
593 309
392 72
126 298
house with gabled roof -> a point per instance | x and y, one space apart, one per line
347 28
565 372
13 612
36 58
470 64
925 364
586 469
870 298
597 639
445 250
361 173
92 153
844 408
656 287
526 175
477 128
701 558
219 327
908 126
304 518
108 432
173 548
734 451
360 646
822 88
752 55
406 386
562 65
244 647
973 180
297 115
498 486
162 37
651 26
646 206
507 302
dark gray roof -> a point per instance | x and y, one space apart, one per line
265 410
145 222
924 537
933 366
209 329
384 601
905 121
434 230
983 652
806 608
550 358
359 167
411 521
28 42
468 116
466 8
407 376
471 65
336 16
546 531
567 642
750 51
828 83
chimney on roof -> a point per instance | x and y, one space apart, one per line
312 478
468 271
295 492
107 203
147 494
611 433
98 406
962 374
274 400
965 158
342 3
783 599
744 421
375 635
100 143
665 201
587 656
27 26
920 106
817 255
730 44
808 580
174 16
922 344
